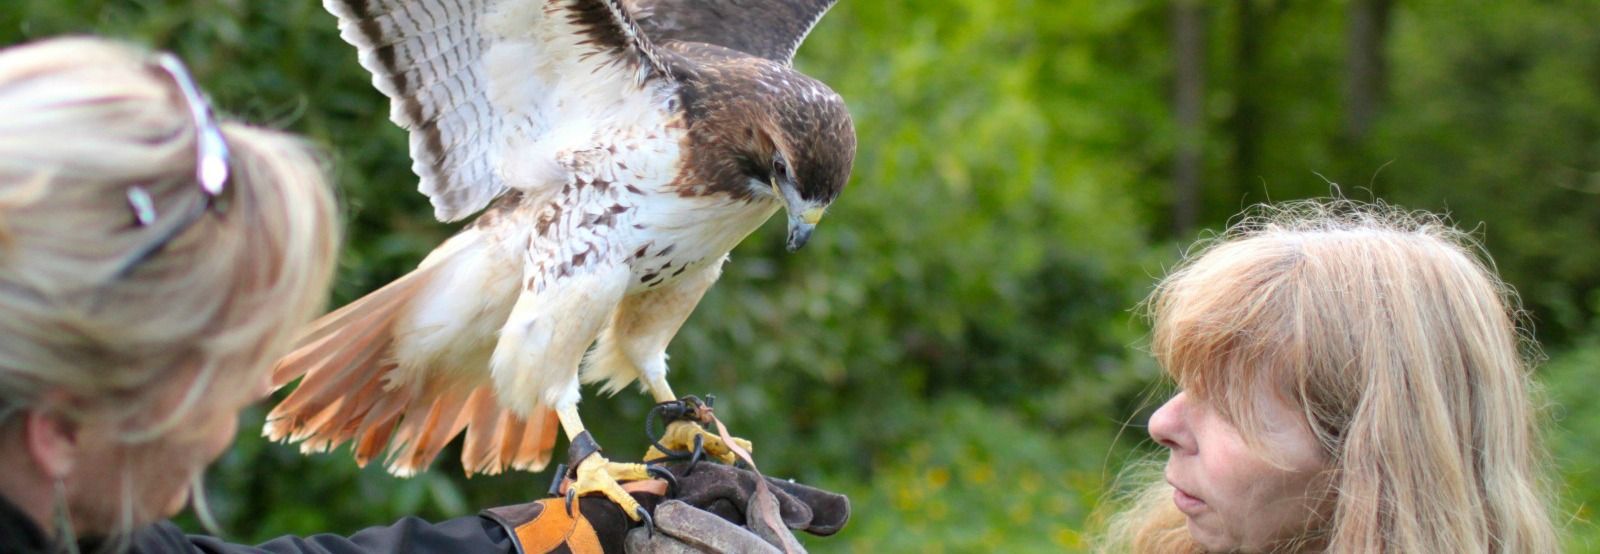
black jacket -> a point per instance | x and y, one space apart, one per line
470 534
532 528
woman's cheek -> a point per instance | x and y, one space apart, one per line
222 437
185 459
176 500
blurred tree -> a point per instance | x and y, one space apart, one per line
1366 64
1256 23
1188 108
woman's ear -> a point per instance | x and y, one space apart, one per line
51 438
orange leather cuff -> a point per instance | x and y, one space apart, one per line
595 526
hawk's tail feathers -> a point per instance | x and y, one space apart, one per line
341 362
497 438
343 395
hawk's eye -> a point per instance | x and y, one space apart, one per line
780 168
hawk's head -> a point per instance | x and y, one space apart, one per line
763 130
812 148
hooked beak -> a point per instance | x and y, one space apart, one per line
800 227
803 217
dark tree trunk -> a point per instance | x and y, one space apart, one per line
1188 111
1254 22
1365 66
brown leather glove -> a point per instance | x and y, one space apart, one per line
707 512
681 528
717 509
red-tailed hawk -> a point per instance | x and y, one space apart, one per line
621 149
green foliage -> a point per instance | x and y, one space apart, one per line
980 479
958 346
1570 381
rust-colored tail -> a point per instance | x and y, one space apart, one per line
343 396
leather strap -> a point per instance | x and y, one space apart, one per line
763 503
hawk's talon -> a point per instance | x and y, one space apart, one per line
572 497
643 517
696 454
663 474
556 479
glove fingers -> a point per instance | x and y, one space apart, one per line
711 482
764 513
706 531
725 509
829 511
640 541
726 491
796 514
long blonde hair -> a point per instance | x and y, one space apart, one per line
1400 346
84 121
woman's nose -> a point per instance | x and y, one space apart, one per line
1168 426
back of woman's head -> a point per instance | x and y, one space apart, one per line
1400 347
107 311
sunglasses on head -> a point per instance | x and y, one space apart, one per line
211 168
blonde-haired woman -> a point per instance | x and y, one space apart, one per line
1352 380
152 263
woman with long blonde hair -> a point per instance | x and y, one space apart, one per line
1352 379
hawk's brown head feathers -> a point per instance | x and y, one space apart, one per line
761 130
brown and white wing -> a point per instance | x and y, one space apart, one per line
471 79
772 29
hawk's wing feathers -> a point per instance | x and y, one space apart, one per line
467 78
610 25
771 29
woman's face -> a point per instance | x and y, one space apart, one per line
158 473
1235 497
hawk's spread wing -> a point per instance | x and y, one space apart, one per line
771 29
470 78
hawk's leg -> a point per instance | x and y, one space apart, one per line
634 346
537 357
594 473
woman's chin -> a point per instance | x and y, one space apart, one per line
1209 539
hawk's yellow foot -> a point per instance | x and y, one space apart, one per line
682 436
592 473
597 474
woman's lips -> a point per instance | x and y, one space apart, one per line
1189 505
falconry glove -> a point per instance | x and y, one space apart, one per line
712 508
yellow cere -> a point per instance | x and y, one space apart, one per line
812 216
